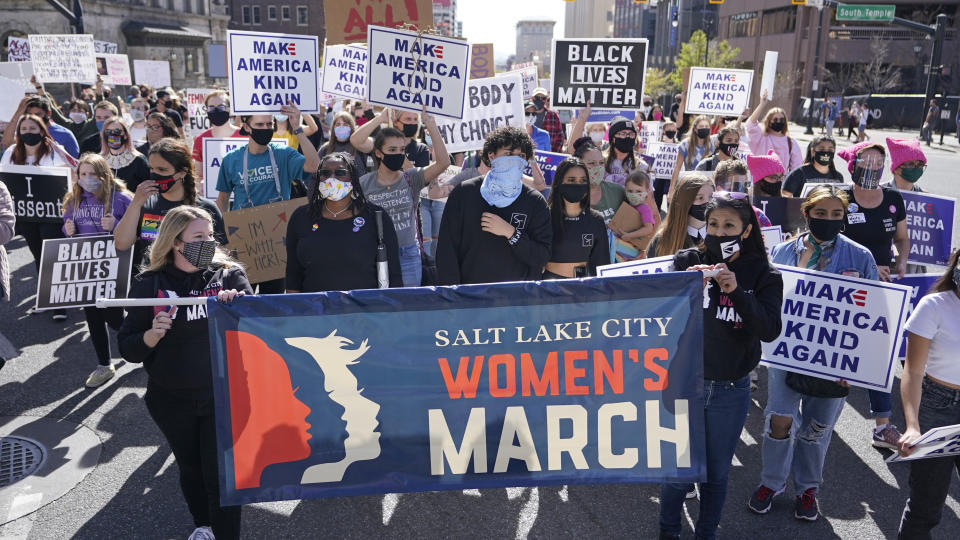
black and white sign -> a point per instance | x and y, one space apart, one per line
75 272
37 191
492 103
607 73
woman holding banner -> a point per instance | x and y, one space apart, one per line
93 206
125 162
802 410
773 135
175 350
697 145
685 225
572 255
930 391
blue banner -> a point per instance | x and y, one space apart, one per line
517 384
930 226
921 285
548 162
606 115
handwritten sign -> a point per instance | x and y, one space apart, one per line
37 192
345 71
155 73
18 49
607 73
724 92
114 69
492 103
347 22
75 272
481 61
104 47
257 237
63 58
197 111
268 70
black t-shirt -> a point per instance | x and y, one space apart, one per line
134 172
582 239
152 214
91 145
418 153
172 114
800 176
873 228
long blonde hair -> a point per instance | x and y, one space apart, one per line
768 118
693 142
160 253
127 146
673 230
108 183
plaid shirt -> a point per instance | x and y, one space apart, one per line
551 123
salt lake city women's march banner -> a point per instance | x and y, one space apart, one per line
481 386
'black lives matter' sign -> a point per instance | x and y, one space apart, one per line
37 191
607 73
75 272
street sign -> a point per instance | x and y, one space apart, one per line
865 12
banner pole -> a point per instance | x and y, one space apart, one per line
150 302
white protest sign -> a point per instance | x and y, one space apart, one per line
18 49
665 155
155 73
345 71
20 72
839 327
771 237
408 71
769 72
104 47
63 58
492 103
655 265
269 70
530 81
213 151
939 442
114 69
197 111
11 89
650 133
724 92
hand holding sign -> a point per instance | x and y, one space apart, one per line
725 278
69 227
162 322
907 440
293 114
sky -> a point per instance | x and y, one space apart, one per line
495 21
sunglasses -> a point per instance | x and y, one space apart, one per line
339 172
215 108
729 195
113 132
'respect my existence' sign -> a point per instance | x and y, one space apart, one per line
408 71
607 73
492 103
270 70
75 272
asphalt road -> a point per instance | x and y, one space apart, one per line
134 493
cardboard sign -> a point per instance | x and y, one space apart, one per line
104 47
197 111
481 61
155 73
665 158
656 265
930 226
492 103
769 73
939 442
75 272
213 151
269 70
257 238
838 327
37 191
18 49
717 91
919 285
607 73
114 69
63 58
347 22
783 211
408 72
771 237
345 71
548 162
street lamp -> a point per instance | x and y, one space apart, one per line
708 20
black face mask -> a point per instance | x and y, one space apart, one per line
199 253
573 193
867 178
409 130
218 118
729 149
722 248
771 189
698 211
825 230
778 126
669 134
823 157
394 162
31 139
624 145
538 103
261 136
703 133
164 183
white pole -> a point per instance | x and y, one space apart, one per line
150 302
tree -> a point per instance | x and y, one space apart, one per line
842 77
658 83
721 55
875 76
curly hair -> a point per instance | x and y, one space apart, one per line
509 137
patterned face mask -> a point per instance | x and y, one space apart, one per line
199 253
334 189
596 174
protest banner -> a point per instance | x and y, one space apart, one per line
213 151
63 58
114 69
783 211
257 236
481 61
606 115
839 327
930 226
649 133
345 71
75 272
656 265
920 285
530 81
408 71
771 237
718 91
938 442
37 192
155 73
491 103
269 70
348 22
197 111
607 73
484 395
769 72
665 159
104 47
18 49
548 162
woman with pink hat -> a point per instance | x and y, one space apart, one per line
907 163
767 172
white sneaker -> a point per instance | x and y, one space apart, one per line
100 375
202 533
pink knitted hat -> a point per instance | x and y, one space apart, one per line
849 154
902 150
763 166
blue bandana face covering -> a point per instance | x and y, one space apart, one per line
502 185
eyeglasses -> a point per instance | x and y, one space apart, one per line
775 177
339 172
729 195
215 108
113 132
154 127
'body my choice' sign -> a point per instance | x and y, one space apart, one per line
494 102
269 70
605 72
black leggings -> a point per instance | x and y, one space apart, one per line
97 322
35 234
661 186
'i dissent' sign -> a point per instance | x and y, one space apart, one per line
718 91
267 71
606 73
37 191
75 272
409 72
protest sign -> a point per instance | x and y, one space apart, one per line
408 71
938 442
606 115
548 162
769 72
665 155
197 111
607 73
656 265
19 72
155 73
345 71
920 285
18 49
268 70
348 22
839 327
530 81
114 69
481 61
213 151
37 191
771 237
491 103
489 394
104 47
724 92
930 226
650 133
63 58
783 211
75 272
256 236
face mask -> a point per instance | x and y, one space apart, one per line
595 174
342 133
78 117
956 277
503 184
218 118
90 184
729 149
669 134
115 142
703 133
262 136
100 124
778 126
771 189
722 248
573 193
393 162
281 117
911 174
164 183
624 145
825 230
137 115
31 139
538 103
409 130
636 198
823 157
867 178
657 115
698 211
596 137
530 119
199 253
334 189
428 140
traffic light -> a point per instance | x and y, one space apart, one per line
716 1
798 2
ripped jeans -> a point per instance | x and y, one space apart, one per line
805 448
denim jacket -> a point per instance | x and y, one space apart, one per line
845 257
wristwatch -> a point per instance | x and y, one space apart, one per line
297 131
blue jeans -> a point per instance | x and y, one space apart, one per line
430 213
410 265
930 478
805 448
881 403
725 411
